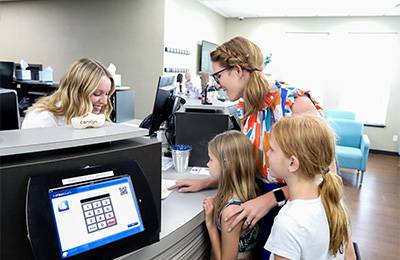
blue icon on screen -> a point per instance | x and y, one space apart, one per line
132 224
63 206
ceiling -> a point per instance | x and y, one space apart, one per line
303 8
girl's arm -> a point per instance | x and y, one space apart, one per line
349 253
277 257
229 240
208 205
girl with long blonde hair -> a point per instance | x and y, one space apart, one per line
231 161
86 87
314 223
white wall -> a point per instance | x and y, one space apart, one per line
187 23
268 32
128 33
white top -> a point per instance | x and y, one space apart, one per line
301 231
39 118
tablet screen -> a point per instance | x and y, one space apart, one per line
93 214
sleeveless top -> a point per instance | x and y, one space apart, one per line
248 239
257 127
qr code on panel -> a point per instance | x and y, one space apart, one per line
123 191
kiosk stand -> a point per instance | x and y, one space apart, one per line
36 190
97 212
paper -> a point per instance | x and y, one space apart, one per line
23 64
117 77
200 171
165 184
112 69
166 163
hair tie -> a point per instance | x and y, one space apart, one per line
254 69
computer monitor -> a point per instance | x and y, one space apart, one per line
205 59
166 82
165 104
9 114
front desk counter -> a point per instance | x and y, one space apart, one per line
183 232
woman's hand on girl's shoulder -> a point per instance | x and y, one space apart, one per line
208 205
226 223
250 212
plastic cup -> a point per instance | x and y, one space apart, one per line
180 157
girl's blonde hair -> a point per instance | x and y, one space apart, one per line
312 142
244 53
73 95
234 153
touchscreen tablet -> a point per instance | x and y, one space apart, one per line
93 214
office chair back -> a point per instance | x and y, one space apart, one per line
9 114
6 74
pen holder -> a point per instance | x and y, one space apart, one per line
180 157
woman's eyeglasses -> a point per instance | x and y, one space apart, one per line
217 75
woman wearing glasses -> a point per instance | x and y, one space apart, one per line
238 65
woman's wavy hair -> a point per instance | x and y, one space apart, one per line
73 95
312 142
235 155
244 53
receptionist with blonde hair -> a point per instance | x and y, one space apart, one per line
86 87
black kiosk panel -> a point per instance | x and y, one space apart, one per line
95 217
16 170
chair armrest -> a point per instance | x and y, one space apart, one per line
365 151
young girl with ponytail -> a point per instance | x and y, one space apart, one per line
313 224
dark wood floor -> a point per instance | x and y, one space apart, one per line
375 208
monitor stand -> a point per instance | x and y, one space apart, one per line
205 101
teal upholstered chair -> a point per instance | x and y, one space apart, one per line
352 145
333 113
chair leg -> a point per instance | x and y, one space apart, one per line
362 177
358 177
357 251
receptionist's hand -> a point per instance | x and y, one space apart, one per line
251 211
189 185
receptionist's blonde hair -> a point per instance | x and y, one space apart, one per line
73 95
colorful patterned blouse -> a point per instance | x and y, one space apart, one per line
257 127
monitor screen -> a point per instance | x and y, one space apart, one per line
166 82
205 59
93 214
162 109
